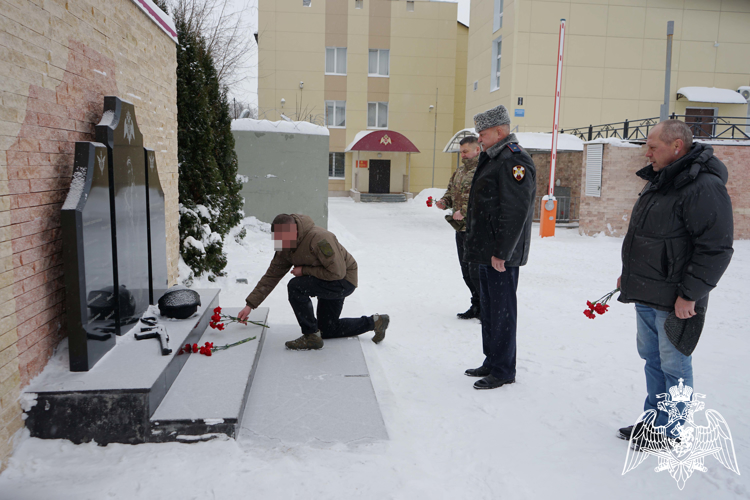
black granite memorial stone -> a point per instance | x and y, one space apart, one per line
157 230
87 250
118 130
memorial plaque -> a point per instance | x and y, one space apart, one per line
87 250
118 130
157 230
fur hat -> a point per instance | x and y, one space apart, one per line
491 118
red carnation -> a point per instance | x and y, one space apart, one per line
600 308
591 306
220 326
589 314
217 310
195 347
429 201
216 318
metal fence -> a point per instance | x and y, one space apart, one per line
567 209
703 127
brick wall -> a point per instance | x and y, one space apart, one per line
59 58
620 187
567 170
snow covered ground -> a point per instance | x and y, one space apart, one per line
550 435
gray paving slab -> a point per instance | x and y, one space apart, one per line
311 396
214 388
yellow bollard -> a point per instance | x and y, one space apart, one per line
548 216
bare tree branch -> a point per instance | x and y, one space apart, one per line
228 38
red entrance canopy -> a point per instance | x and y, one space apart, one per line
382 140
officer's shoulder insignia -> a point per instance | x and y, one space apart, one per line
325 248
519 172
514 147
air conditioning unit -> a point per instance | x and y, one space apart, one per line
744 92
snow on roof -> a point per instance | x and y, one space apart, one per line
357 137
528 140
543 141
284 127
711 94
616 142
162 20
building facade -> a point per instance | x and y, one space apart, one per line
614 59
367 65
58 60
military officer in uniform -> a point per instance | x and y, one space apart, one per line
498 237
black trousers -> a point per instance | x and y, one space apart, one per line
331 295
499 317
469 270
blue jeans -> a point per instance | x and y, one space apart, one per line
665 365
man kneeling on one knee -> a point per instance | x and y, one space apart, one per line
322 268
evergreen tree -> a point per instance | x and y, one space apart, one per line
210 204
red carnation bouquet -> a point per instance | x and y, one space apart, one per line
599 306
217 318
216 323
429 201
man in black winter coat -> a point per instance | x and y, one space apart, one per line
678 245
498 237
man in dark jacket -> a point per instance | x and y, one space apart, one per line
678 245
498 237
322 268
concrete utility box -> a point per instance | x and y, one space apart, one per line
284 166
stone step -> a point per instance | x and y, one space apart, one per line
321 396
208 397
382 198
113 402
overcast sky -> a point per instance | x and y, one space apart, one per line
247 90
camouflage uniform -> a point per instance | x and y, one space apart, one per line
457 198
457 194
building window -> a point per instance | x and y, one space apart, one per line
497 46
306 3
335 60
358 4
336 165
497 21
409 5
377 115
336 114
379 62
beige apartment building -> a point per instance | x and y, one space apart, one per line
614 60
387 77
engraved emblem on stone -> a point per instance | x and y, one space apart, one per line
151 161
102 161
129 128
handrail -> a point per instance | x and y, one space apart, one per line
703 127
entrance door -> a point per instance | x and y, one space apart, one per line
380 176
700 121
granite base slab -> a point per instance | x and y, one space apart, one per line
320 396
